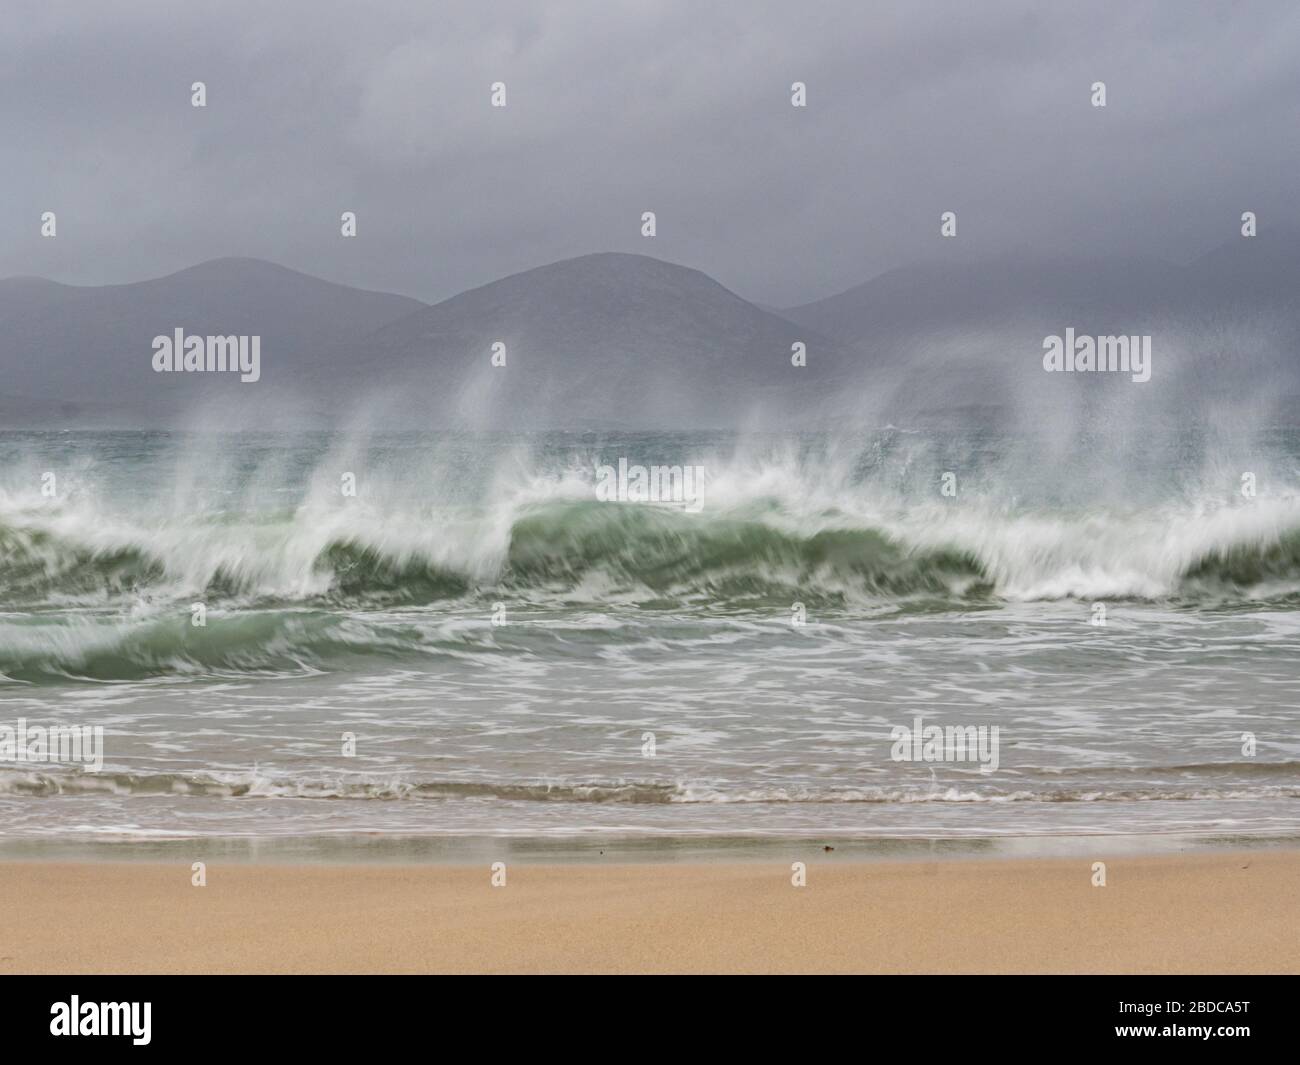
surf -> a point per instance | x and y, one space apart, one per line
101 582
758 550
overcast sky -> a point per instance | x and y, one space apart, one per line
621 106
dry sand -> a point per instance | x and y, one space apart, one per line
1203 912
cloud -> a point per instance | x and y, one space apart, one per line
672 106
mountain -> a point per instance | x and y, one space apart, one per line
1263 271
77 355
608 339
916 299
938 337
628 341
605 340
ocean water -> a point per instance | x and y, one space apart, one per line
515 656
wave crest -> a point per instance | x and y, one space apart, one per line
753 553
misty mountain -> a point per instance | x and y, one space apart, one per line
82 355
941 336
627 341
601 340
912 300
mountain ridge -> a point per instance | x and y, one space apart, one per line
621 339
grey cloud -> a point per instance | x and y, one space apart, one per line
677 107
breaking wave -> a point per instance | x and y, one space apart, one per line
586 549
95 588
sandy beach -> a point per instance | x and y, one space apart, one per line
1206 912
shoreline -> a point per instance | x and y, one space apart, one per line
402 848
1205 911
